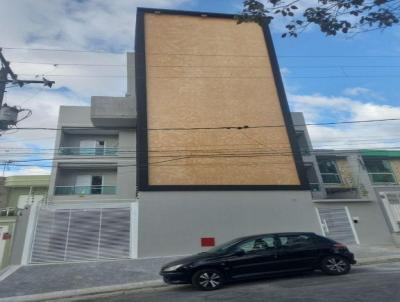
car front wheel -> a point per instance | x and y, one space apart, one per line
335 265
208 279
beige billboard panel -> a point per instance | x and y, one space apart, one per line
205 72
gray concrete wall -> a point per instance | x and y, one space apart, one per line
113 111
172 223
126 177
131 84
3 193
299 125
74 116
20 232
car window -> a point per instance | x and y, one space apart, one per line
257 244
295 241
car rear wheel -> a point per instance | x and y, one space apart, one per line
335 265
208 279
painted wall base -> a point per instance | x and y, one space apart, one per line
173 223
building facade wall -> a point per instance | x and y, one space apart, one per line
172 223
8 222
118 169
19 237
3 193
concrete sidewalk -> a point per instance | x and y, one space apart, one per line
47 282
38 279
375 254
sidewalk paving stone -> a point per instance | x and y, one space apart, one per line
34 279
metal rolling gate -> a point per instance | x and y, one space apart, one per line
67 235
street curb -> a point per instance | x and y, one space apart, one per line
9 270
79 294
111 290
377 260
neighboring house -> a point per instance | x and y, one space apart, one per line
383 168
21 192
347 186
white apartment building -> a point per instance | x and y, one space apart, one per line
92 190
174 192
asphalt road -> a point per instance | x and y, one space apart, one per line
364 284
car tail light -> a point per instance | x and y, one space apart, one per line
340 246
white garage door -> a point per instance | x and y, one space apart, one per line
336 224
66 235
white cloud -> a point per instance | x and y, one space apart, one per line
72 24
285 71
362 91
28 171
64 24
318 108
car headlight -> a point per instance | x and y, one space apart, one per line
172 268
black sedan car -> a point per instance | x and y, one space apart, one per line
258 256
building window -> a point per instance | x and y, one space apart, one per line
329 171
379 171
97 184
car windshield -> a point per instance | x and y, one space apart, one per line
223 247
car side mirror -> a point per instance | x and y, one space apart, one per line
239 253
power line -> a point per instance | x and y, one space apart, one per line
341 140
68 64
394 76
193 54
60 50
219 128
172 157
206 66
50 151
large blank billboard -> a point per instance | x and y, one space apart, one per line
212 113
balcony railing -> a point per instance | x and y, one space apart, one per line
315 187
85 190
87 151
384 178
8 212
331 178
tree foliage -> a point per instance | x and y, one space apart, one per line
331 16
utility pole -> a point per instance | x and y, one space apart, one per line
9 115
3 79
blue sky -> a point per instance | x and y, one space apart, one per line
327 78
